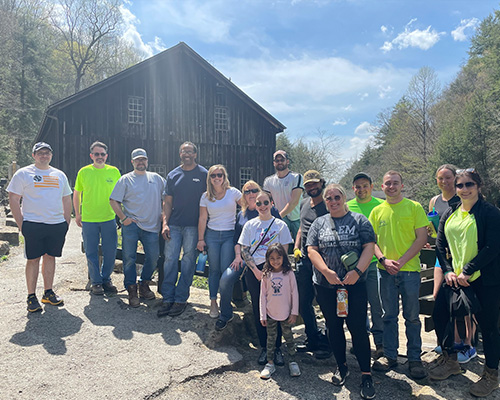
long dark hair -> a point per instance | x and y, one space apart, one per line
278 248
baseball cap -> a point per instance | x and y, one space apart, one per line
40 146
280 153
138 153
361 175
312 176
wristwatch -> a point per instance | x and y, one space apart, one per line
358 271
382 259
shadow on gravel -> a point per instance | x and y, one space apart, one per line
48 329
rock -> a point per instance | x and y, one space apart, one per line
10 222
4 248
10 234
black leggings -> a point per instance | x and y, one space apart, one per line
355 320
253 286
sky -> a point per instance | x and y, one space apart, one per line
329 65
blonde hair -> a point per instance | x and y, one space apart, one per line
342 191
244 204
225 184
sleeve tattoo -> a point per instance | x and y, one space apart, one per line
247 257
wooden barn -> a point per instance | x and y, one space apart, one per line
158 104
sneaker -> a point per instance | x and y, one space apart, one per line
278 358
338 378
177 309
221 325
145 292
456 346
323 354
487 384
378 352
294 369
262 357
97 290
367 388
164 310
447 366
467 354
214 311
109 288
33 304
417 370
307 347
384 364
268 370
52 299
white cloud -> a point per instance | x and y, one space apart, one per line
383 29
383 91
363 136
459 34
339 121
363 96
364 129
347 108
422 39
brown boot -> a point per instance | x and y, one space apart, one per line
446 367
487 384
145 292
133 300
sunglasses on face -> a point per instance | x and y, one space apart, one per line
336 198
248 191
468 185
189 152
218 175
265 202
99 154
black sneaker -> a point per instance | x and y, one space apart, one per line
307 347
262 357
52 299
338 378
97 290
367 388
164 310
109 288
177 309
33 304
278 357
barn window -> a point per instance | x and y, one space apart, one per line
159 169
245 175
135 110
221 120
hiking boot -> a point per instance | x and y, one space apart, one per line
33 304
97 290
109 288
133 300
417 370
51 298
378 352
367 388
177 309
446 367
145 292
164 310
487 384
294 369
340 374
278 358
467 354
384 364
268 370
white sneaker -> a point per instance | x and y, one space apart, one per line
294 369
268 370
214 311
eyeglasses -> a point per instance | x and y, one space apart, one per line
265 202
468 185
336 198
470 170
187 151
281 159
248 191
218 175
99 154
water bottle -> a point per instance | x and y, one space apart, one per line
202 260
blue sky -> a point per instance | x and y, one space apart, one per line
316 64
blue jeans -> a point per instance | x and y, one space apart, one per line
228 279
91 233
131 234
307 293
187 238
373 292
407 285
220 250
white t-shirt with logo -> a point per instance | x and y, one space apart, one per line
42 191
222 213
281 190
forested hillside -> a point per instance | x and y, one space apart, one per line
430 126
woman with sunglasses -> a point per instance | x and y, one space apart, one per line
339 233
218 206
233 272
257 235
468 249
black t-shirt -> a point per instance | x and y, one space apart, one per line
307 216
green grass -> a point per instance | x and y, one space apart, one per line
200 282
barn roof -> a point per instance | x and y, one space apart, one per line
181 47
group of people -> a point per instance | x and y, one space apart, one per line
348 254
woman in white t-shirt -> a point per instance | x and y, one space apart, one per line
218 207
257 235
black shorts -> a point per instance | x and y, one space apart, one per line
40 239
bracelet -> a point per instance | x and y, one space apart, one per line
124 219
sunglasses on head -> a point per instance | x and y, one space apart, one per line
218 175
99 154
468 185
470 170
248 191
265 202
336 198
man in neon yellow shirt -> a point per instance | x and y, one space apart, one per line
401 228
364 203
94 184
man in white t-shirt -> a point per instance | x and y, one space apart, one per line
286 187
43 220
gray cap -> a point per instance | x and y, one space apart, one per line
40 146
138 153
